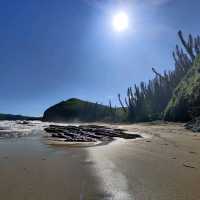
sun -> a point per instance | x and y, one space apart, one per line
120 21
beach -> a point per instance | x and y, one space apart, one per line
163 165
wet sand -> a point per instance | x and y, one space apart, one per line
31 170
165 165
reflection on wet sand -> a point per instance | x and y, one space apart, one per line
161 166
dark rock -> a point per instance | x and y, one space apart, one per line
24 122
193 125
88 133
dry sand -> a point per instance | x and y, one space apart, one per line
165 165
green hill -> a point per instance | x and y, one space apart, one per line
17 117
79 110
186 97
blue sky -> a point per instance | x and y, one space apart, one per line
54 50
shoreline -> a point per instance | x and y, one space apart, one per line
163 165
32 170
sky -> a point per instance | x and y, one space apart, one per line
54 50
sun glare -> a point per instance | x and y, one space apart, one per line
120 21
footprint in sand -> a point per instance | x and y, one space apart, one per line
192 152
88 162
189 165
165 144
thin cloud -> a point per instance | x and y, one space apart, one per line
105 3
160 2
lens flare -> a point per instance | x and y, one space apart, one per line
120 21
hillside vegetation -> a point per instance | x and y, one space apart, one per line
73 110
150 101
185 102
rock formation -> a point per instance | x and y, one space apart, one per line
88 133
